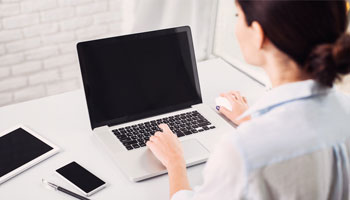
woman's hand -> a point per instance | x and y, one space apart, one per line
166 147
239 106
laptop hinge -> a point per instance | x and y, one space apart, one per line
101 129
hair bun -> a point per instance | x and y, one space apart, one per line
341 54
327 62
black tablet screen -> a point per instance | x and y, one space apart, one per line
18 148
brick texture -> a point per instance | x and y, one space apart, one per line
38 43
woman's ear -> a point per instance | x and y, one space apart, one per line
258 34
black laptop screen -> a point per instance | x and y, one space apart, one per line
131 77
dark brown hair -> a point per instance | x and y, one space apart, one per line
312 33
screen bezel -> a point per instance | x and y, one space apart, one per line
55 149
130 118
100 187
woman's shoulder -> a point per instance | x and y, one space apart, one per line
293 130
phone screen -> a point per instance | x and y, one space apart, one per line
80 177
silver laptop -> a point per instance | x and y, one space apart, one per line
135 82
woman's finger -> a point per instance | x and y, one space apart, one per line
245 100
149 143
154 138
158 134
230 98
238 95
165 128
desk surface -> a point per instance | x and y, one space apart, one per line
63 119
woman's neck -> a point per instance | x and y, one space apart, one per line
282 70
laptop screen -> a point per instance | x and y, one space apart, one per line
131 77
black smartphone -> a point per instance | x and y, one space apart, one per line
81 178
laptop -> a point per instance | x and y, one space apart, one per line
135 82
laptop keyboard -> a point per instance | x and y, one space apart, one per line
136 136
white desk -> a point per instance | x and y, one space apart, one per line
63 119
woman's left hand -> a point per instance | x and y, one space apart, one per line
166 147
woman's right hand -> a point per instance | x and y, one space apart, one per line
239 106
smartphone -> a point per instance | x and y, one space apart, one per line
81 178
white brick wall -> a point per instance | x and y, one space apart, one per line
38 40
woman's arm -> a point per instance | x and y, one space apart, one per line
166 147
223 175
178 178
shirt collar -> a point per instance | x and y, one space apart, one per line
286 93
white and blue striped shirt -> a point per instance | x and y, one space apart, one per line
296 146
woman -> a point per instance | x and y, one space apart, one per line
294 143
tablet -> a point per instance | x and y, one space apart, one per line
20 149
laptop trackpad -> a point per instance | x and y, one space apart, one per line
194 151
141 164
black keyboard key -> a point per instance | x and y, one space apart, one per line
121 136
194 131
130 142
212 127
125 140
117 133
187 132
140 136
128 147
180 134
135 146
205 128
142 144
203 124
200 130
